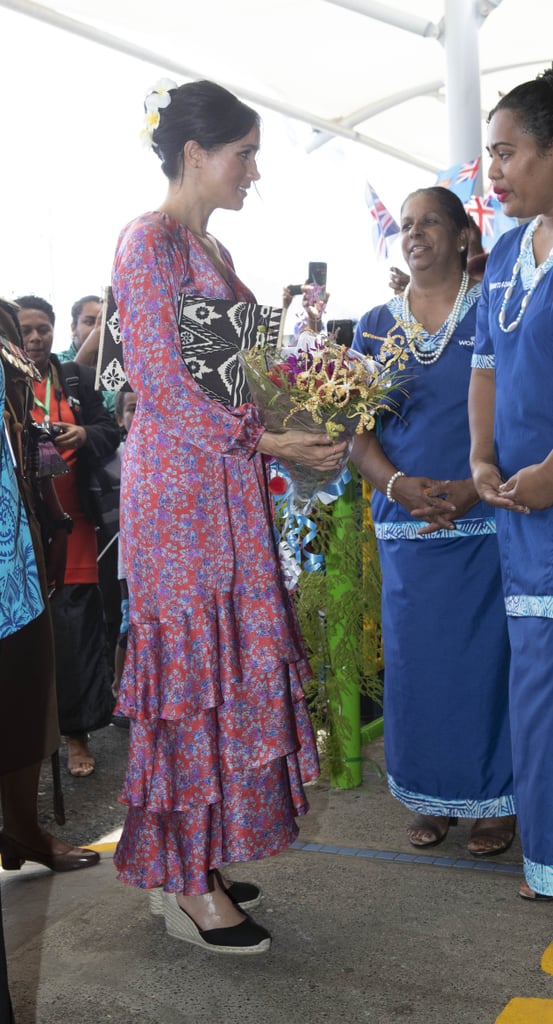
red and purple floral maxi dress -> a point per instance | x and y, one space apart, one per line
220 736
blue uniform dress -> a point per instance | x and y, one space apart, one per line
446 651
523 364
20 596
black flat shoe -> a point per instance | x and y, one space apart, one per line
429 824
13 854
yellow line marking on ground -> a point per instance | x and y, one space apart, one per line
102 847
527 1011
547 960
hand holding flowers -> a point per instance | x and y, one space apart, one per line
314 450
328 389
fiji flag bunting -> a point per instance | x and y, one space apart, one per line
483 213
501 222
460 179
385 228
488 214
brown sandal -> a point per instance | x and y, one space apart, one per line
491 836
433 826
80 762
530 894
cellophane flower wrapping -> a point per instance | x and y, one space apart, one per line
328 388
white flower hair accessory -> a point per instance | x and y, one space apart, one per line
157 98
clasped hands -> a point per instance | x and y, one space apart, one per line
529 489
438 502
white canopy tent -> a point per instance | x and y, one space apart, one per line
341 74
403 87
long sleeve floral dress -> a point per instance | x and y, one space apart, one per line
220 738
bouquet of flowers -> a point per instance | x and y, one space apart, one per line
325 388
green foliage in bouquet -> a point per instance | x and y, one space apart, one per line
339 613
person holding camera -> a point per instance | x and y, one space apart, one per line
84 433
309 326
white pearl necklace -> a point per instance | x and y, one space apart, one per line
538 274
426 358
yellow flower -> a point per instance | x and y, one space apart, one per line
335 386
151 121
158 97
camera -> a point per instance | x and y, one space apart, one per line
295 289
53 430
46 431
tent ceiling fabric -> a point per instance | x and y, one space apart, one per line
325 61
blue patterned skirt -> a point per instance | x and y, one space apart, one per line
446 668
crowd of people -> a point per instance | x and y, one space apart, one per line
207 665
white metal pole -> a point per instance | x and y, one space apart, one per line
463 83
391 16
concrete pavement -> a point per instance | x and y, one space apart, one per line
366 930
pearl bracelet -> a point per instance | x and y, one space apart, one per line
391 483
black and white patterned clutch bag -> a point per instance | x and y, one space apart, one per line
212 332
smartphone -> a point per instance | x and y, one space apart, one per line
316 274
343 331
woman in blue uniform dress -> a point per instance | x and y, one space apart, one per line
446 652
511 414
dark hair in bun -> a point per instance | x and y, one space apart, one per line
203 112
532 102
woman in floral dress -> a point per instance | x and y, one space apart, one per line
220 740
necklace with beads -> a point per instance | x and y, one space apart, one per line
409 322
539 272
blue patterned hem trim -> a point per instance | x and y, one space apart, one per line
482 362
409 530
529 606
539 877
423 804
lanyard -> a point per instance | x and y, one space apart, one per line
45 406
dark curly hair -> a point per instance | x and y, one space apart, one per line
35 302
203 112
532 103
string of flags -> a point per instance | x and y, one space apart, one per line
385 229
459 178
